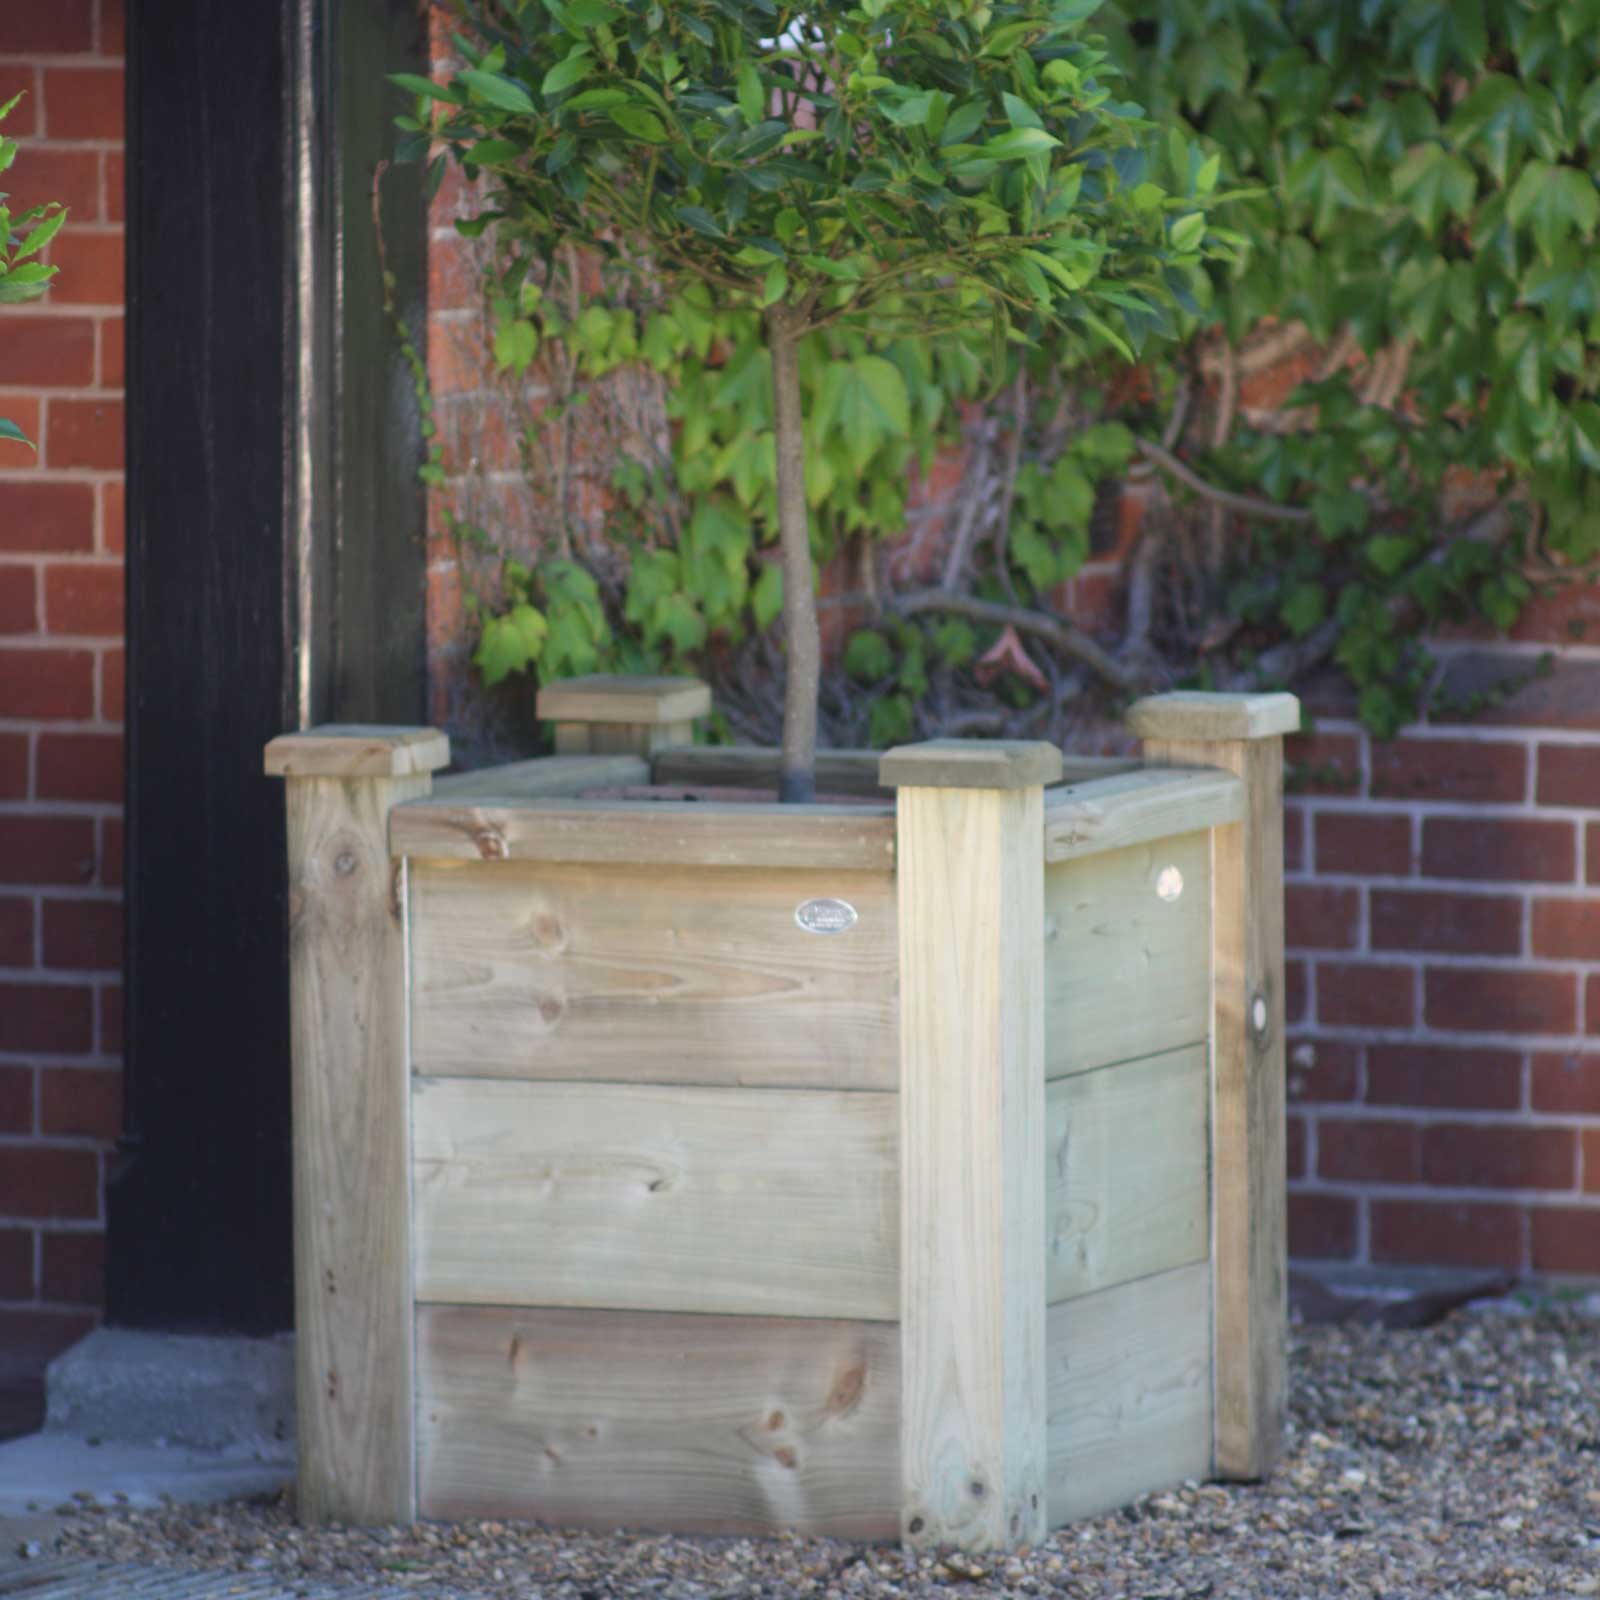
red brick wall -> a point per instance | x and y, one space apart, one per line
61 670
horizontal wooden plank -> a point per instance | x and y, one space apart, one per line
1129 1387
730 1425
781 1202
357 750
1084 769
544 776
1126 1158
610 697
756 766
648 833
1136 807
652 975
1127 955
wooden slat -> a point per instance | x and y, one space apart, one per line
659 975
357 750
350 1092
613 697
1127 973
756 766
649 833
547 775
1126 1157
640 1197
972 1107
1135 808
1251 1249
1129 1392
696 1424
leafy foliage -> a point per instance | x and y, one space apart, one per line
22 237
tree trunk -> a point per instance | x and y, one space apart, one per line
797 769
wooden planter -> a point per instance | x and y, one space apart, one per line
909 1165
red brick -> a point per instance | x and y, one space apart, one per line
1500 1000
1365 995
16 1099
1295 1147
93 270
112 25
43 173
113 516
1294 992
113 346
73 1268
50 352
46 850
79 766
1322 1070
19 77
1322 763
84 598
1503 848
16 931
48 518
48 1182
1476 1155
1362 1150
1569 775
83 935
1322 1227
86 433
59 28
80 1102
1591 1003
1445 1233
53 1017
1320 917
113 686
1566 1239
116 186
111 852
1294 838
13 766
46 684
454 281
1445 1077
19 599
1567 930
25 410
1457 924
1353 842
111 1020
1566 1082
83 102
16 1264
1591 1160
1449 769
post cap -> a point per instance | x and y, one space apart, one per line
970 764
1203 717
354 750
608 697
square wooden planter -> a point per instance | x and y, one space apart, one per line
910 1165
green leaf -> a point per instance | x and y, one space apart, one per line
1188 231
1554 202
881 380
516 343
1304 606
565 73
867 657
640 123
1017 144
426 88
752 97
766 596
9 430
775 284
1431 183
701 220
498 91
1389 552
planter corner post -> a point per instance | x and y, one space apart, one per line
1243 734
351 1101
607 714
970 871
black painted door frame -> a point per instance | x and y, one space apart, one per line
275 580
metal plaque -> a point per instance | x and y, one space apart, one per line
826 916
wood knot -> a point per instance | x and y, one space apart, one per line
775 1421
491 844
785 1457
344 863
550 1009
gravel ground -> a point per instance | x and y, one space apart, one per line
1460 1460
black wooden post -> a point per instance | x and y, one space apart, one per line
275 579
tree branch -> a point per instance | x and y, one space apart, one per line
1248 505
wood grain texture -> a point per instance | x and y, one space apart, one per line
1251 1241
652 975
544 776
1136 807
649 833
610 697
1127 972
1196 715
1129 1392
728 1425
621 738
356 750
970 764
756 767
642 1197
1126 1158
351 1094
972 1211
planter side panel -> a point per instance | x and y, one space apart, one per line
688 975
1127 963
715 1424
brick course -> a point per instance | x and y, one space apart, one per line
61 667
